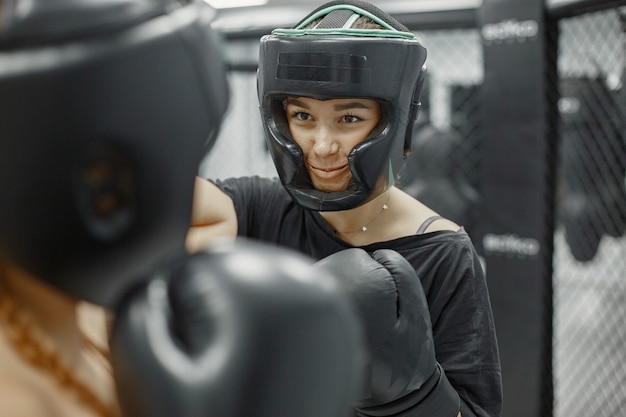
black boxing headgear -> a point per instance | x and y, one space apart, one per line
106 110
332 60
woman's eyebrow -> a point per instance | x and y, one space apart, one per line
337 107
296 102
352 105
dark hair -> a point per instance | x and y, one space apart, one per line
360 4
362 22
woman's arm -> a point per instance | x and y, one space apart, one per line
213 216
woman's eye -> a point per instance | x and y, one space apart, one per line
350 119
302 116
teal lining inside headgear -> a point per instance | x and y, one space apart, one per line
388 32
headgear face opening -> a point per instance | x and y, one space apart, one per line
107 109
331 60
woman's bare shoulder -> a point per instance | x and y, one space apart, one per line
441 225
415 213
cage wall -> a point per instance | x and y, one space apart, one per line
590 241
444 171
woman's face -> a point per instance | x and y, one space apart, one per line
327 131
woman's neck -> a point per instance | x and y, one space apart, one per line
364 219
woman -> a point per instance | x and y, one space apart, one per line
339 94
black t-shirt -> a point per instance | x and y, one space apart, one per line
446 263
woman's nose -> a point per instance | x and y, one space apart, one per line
325 143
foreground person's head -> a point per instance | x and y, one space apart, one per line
107 109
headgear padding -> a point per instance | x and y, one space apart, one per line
332 60
106 110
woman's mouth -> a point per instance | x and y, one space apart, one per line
328 172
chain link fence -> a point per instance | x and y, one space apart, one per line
589 358
443 170
590 242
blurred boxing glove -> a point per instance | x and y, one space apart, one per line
242 329
403 377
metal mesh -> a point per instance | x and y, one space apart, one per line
590 242
443 170
240 148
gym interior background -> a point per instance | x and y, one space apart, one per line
522 139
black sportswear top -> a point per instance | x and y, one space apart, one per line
446 262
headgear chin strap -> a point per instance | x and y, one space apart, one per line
107 109
332 60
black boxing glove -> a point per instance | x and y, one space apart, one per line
240 330
403 377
